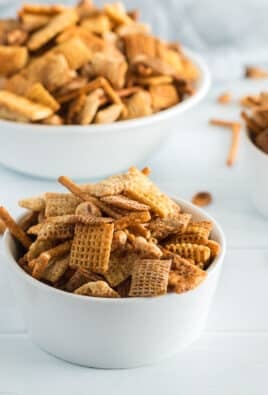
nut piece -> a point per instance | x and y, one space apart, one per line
202 199
225 98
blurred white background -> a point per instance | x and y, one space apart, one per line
228 33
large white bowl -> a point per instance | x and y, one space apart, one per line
113 333
96 150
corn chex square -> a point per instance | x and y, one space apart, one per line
60 204
149 277
142 189
91 247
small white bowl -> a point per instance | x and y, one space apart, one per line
114 333
258 164
96 150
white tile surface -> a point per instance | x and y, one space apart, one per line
232 356
216 364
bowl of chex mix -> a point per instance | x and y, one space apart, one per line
115 274
79 84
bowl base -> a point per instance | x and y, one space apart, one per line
131 364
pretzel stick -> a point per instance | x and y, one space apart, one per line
99 82
234 145
91 86
255 72
59 250
39 264
221 122
125 92
106 209
72 187
112 94
235 128
76 190
14 229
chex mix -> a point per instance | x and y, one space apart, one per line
120 237
84 64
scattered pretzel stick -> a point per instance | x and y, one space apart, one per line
235 128
15 230
255 72
234 145
223 123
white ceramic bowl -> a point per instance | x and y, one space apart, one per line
96 150
258 164
114 333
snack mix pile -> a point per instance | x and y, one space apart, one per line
82 65
120 237
257 119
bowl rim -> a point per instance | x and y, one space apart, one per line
255 148
47 288
203 87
